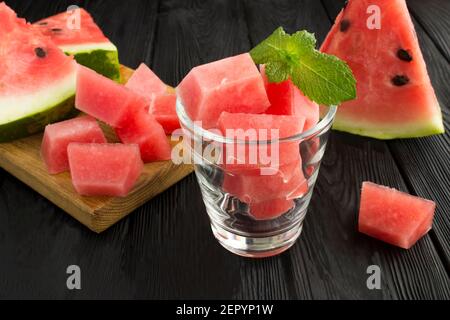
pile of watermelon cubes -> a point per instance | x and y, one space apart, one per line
233 94
142 112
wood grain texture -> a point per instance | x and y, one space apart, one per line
433 15
22 159
331 257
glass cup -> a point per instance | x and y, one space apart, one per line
256 208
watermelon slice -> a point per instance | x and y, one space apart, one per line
105 99
270 209
58 136
232 84
142 129
286 99
104 169
86 42
261 125
393 216
37 81
160 97
395 98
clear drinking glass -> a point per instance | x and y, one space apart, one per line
254 214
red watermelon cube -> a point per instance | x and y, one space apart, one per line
146 83
58 136
105 99
104 169
232 84
142 129
393 216
270 209
163 108
259 127
286 99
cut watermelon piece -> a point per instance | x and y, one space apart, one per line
395 98
144 82
37 81
161 98
261 125
251 187
393 216
232 84
86 42
58 136
286 99
270 209
105 99
145 131
163 108
104 169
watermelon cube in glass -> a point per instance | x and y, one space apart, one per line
256 204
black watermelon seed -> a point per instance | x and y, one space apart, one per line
345 24
56 29
404 55
400 80
345 4
43 23
40 52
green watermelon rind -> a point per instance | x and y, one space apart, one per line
102 58
392 131
36 122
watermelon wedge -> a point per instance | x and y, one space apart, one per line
58 136
393 216
37 80
86 42
395 98
233 84
104 169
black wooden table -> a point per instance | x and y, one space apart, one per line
166 249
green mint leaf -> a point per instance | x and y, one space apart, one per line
323 78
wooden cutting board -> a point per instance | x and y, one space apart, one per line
22 159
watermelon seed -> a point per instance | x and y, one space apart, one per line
345 24
404 55
400 80
56 29
40 52
345 4
43 23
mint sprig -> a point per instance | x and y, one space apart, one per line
323 78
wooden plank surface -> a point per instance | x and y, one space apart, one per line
22 159
165 249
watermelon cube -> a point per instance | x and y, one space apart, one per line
232 84
259 127
251 187
105 99
148 134
58 136
270 209
104 169
286 99
146 83
163 108
393 216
